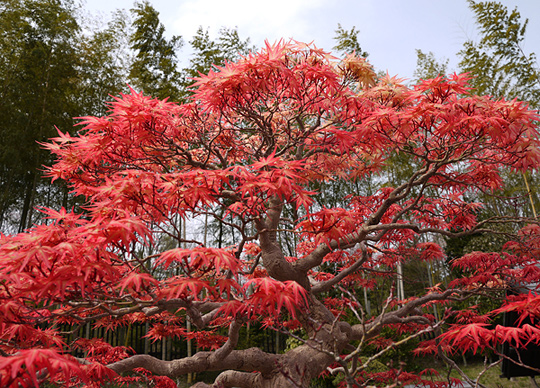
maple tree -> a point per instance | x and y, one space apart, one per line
253 149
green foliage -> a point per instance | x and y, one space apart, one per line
427 66
56 63
293 343
498 62
154 69
105 62
208 53
456 247
39 73
347 42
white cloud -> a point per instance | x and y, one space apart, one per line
258 20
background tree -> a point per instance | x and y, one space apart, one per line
347 42
501 68
90 63
105 58
51 70
38 89
254 140
209 54
498 61
427 66
155 67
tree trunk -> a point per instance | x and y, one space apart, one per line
26 204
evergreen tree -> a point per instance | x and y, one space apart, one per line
498 62
208 53
57 63
38 83
105 62
54 65
427 66
347 42
154 69
500 67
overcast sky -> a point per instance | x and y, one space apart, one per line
390 30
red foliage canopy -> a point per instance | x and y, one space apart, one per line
283 149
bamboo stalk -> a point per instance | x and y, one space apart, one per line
529 193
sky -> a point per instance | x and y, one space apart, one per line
390 30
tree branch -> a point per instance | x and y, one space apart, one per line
326 285
249 360
231 343
407 313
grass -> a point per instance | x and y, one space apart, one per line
490 378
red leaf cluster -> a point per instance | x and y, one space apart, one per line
288 152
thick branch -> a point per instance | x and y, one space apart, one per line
272 255
232 341
316 256
232 378
249 360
